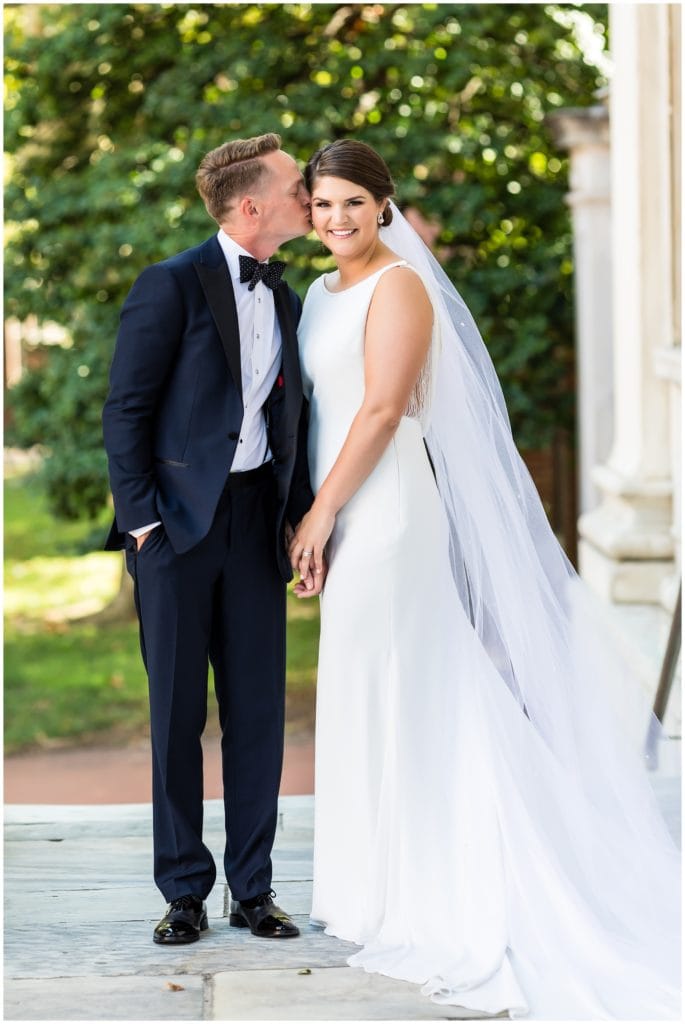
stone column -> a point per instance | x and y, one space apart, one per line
667 359
627 548
584 132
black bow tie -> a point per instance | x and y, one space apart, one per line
253 271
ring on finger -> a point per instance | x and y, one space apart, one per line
307 554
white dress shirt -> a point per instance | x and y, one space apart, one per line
260 359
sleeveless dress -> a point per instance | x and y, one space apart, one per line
421 854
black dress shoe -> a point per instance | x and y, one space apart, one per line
183 922
264 919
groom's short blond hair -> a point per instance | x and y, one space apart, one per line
228 172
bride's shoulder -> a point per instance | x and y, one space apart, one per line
401 280
401 296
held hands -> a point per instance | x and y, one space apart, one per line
312 584
306 550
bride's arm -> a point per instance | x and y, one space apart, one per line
397 339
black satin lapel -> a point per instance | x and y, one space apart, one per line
216 284
291 360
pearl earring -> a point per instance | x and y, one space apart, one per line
381 218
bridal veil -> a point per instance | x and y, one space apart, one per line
579 804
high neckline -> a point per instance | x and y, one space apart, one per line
363 280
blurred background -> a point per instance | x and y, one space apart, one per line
536 148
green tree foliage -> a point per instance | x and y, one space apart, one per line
111 106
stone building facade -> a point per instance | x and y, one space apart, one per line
625 201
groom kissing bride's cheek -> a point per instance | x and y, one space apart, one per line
205 431
481 827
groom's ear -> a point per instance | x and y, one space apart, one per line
247 207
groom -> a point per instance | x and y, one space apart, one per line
205 432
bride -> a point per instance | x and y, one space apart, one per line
484 825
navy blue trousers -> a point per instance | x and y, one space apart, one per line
221 602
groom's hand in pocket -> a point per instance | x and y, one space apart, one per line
142 538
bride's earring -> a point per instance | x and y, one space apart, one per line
381 218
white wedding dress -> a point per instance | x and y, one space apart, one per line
442 842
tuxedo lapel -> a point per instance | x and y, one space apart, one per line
291 362
218 289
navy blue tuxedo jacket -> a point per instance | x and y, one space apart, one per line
174 410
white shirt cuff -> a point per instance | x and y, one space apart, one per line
144 529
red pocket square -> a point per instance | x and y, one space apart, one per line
279 381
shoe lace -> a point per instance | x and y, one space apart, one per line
265 897
185 903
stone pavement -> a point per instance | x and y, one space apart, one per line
79 911
80 907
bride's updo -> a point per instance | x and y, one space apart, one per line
356 162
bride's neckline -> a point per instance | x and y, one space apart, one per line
341 291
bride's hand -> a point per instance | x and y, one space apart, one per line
307 546
312 586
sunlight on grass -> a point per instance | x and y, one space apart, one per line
78 586
68 680
72 685
302 650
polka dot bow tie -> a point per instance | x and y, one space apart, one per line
253 271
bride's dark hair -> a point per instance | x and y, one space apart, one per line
356 162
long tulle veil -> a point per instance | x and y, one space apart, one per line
594 810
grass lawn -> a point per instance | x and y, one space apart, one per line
69 681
